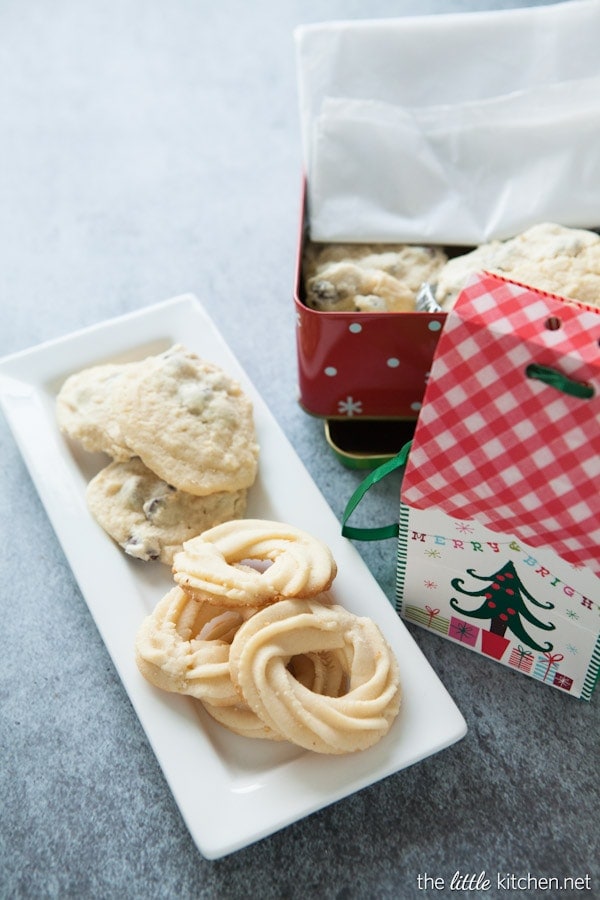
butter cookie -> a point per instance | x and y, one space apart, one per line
353 720
177 648
321 673
253 562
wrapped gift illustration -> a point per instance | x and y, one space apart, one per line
521 659
463 631
562 681
428 617
546 666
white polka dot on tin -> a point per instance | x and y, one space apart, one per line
416 406
331 371
435 325
393 363
355 327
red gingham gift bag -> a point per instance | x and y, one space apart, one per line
509 431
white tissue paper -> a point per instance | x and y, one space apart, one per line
453 128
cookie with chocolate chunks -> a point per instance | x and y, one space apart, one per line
189 422
151 519
85 411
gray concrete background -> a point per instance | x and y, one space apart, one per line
149 149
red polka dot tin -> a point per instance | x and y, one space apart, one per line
368 365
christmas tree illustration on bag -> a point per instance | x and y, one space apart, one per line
505 606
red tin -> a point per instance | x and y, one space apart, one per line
370 365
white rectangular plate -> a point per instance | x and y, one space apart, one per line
231 790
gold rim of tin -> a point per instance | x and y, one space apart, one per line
355 459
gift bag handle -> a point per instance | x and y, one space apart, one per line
383 531
560 381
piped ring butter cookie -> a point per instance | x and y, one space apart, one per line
189 422
223 565
85 410
149 518
259 657
178 648
240 719
322 673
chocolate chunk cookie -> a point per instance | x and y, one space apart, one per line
85 411
550 257
189 422
151 519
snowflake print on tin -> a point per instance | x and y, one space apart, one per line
350 407
430 584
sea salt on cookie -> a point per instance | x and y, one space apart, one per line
85 413
550 257
189 422
149 518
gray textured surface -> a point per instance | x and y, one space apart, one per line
149 149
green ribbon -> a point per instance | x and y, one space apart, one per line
384 531
559 381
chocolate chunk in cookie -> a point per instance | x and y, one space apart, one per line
151 519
